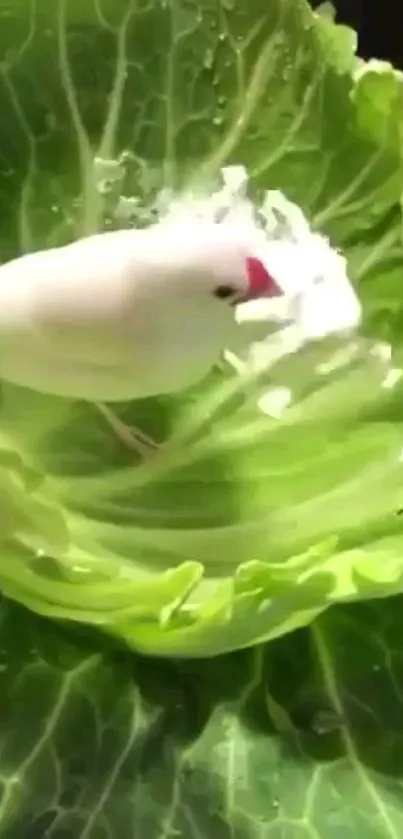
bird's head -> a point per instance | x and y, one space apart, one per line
221 262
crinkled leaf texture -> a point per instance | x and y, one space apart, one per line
296 739
244 527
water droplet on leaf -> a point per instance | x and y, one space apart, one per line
326 721
208 59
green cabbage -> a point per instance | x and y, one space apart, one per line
260 511
245 525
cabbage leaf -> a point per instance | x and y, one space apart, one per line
296 739
244 527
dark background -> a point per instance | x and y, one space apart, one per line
379 24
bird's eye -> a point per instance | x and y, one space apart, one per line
224 292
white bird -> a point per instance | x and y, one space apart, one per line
126 314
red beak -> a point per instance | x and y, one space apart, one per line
260 282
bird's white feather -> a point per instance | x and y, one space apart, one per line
120 315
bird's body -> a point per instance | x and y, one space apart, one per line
122 315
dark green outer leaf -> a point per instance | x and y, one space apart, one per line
187 87
302 738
